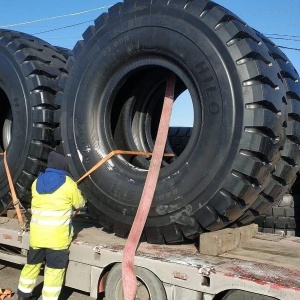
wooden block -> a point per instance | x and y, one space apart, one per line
219 242
12 214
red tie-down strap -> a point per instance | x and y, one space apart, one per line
128 273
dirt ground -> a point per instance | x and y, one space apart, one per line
9 276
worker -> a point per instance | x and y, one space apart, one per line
54 197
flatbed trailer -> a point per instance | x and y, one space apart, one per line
264 267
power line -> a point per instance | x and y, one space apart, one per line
55 17
286 35
286 39
290 48
60 28
64 37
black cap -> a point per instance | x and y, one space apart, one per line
57 161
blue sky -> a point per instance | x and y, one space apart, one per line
277 19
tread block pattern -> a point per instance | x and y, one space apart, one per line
40 64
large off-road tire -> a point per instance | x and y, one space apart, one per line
284 175
29 72
113 97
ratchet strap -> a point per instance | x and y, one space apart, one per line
15 201
117 152
109 156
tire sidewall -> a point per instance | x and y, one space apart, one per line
198 172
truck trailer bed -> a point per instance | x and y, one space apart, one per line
266 264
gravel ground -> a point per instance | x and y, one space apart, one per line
9 276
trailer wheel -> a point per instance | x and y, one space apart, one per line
149 285
239 295
29 72
113 98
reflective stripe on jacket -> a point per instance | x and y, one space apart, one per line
50 225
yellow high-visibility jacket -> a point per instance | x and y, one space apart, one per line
50 225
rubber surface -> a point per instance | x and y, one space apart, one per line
29 73
112 100
285 173
280 218
243 295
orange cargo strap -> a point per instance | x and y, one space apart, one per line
5 294
113 153
128 273
109 156
15 200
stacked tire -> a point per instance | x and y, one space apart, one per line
242 154
29 77
280 219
